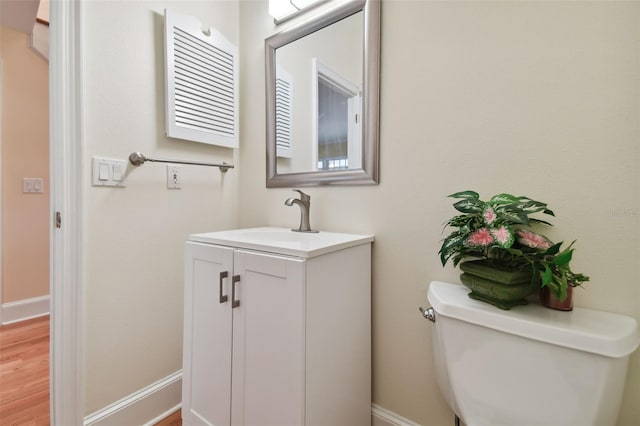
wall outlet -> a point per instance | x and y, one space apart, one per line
173 176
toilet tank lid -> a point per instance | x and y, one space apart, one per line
603 333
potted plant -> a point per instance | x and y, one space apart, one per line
551 267
503 260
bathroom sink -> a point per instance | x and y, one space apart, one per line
283 240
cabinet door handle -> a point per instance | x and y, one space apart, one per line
223 275
234 303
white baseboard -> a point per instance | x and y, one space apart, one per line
164 415
142 407
164 397
22 310
383 417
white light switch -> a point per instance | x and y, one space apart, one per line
32 185
109 172
117 172
103 171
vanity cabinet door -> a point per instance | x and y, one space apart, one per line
206 385
268 340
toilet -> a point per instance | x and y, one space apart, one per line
530 365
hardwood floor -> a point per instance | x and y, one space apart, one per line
24 373
173 420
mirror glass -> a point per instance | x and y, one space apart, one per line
322 98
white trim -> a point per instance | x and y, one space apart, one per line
164 415
142 407
39 40
1 190
164 397
67 181
383 417
22 310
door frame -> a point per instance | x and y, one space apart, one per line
1 77
67 183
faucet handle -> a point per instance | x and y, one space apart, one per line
303 196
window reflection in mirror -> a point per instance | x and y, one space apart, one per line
336 127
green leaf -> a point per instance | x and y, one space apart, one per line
533 219
448 246
531 207
459 221
534 276
513 217
562 285
503 199
549 212
547 276
465 194
464 230
576 279
515 252
508 208
469 206
563 258
553 250
451 241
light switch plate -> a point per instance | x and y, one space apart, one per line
32 185
109 172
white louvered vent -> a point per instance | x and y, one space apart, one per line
284 112
202 83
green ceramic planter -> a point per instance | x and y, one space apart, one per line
502 288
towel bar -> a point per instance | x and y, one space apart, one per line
138 159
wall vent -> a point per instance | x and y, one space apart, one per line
201 83
284 113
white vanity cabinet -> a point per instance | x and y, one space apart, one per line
277 329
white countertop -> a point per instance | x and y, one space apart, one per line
283 241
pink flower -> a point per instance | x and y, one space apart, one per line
481 237
489 215
533 240
503 236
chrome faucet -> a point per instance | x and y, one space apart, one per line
304 202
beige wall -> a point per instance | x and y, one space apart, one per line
532 98
25 153
538 98
134 236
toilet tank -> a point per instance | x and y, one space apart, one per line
530 365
